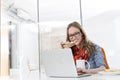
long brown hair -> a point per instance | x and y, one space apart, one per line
85 43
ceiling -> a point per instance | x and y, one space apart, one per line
49 10
62 10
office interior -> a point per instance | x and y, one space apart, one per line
30 27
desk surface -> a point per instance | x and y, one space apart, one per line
92 77
34 75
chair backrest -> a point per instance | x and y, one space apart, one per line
105 59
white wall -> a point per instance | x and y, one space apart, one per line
101 22
59 10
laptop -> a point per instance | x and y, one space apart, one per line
60 63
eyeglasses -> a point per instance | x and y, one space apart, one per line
74 35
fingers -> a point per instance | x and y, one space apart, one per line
62 44
80 70
67 44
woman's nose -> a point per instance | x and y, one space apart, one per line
74 39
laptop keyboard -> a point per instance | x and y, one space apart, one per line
83 75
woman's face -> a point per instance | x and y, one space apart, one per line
74 35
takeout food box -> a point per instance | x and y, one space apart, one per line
112 70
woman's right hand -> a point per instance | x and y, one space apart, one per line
67 44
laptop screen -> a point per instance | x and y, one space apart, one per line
59 62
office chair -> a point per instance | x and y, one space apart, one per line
105 59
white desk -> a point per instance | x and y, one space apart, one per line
34 75
92 77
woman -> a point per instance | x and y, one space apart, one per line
83 48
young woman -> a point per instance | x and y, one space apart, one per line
83 48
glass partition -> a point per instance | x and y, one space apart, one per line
55 15
20 20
